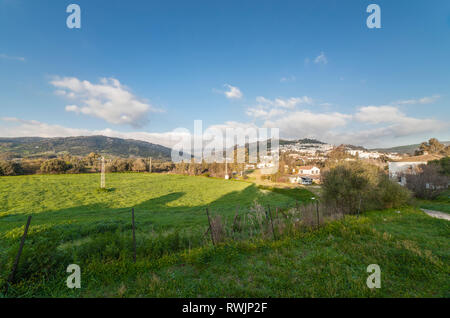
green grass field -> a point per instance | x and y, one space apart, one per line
74 223
162 201
441 203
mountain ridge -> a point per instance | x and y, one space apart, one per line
81 146
405 149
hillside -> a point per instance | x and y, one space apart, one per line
283 142
405 149
81 146
300 141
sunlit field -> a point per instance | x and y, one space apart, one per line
75 223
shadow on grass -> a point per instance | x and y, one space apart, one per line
156 213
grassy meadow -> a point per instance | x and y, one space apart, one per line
74 223
160 201
441 203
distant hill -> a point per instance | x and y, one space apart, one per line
81 146
300 141
281 142
407 149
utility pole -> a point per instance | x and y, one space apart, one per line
102 178
150 167
226 169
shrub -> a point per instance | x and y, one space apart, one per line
54 166
139 165
443 165
9 168
118 165
428 183
391 194
77 166
352 186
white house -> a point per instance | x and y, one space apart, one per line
309 170
397 169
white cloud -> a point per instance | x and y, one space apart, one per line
291 78
233 92
321 59
396 124
378 114
73 108
423 100
14 58
108 100
284 102
304 123
259 112
370 126
268 108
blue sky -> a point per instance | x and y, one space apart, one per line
140 69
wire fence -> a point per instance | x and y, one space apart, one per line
268 222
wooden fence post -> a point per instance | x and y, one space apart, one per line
134 235
16 262
235 220
359 207
210 227
317 211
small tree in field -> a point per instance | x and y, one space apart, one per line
352 186
54 166
139 165
348 183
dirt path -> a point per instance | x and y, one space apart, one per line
437 214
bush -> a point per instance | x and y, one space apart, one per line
139 165
118 165
77 166
443 165
353 186
54 166
428 183
9 168
391 194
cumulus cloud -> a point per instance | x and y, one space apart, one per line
233 92
108 100
304 123
284 102
378 114
321 59
399 124
258 112
370 126
269 108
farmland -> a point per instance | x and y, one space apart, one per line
70 211
75 223
165 201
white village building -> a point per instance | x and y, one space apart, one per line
397 170
308 170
